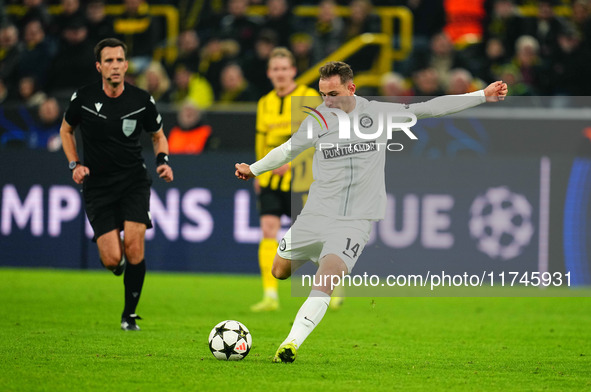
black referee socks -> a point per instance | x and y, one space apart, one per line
133 282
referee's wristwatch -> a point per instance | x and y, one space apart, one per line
72 165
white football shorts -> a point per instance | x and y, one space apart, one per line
312 237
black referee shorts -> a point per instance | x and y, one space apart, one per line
111 200
274 202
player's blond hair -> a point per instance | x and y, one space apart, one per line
283 52
332 68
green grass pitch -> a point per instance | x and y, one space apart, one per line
60 332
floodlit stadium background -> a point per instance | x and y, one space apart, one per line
535 145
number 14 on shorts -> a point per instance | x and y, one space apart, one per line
351 250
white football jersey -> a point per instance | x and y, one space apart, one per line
349 172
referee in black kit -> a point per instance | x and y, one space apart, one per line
116 186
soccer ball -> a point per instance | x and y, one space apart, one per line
230 340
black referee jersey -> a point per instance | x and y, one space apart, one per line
111 127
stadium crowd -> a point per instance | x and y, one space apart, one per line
222 48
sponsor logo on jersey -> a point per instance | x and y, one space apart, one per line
98 106
349 149
365 121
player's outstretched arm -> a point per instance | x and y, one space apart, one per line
243 171
496 91
277 157
449 104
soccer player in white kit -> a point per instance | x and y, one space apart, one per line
348 192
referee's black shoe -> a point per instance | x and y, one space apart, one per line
121 267
128 322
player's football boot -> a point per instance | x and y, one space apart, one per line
337 298
285 353
336 302
128 322
123 263
121 267
268 304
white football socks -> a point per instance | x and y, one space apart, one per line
308 317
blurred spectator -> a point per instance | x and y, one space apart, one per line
362 21
426 83
100 25
139 31
34 10
510 74
301 47
237 25
29 93
214 57
235 88
428 19
581 20
199 15
70 11
155 80
10 52
36 129
188 56
43 133
74 64
12 128
280 20
464 20
442 56
503 23
544 28
493 60
570 65
190 86
529 64
36 58
461 82
255 66
3 92
3 16
191 134
393 85
328 31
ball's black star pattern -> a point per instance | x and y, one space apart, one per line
211 348
219 331
228 350
242 332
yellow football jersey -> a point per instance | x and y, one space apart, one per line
274 125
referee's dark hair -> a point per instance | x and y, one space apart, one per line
108 43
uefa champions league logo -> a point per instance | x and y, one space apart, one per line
500 221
